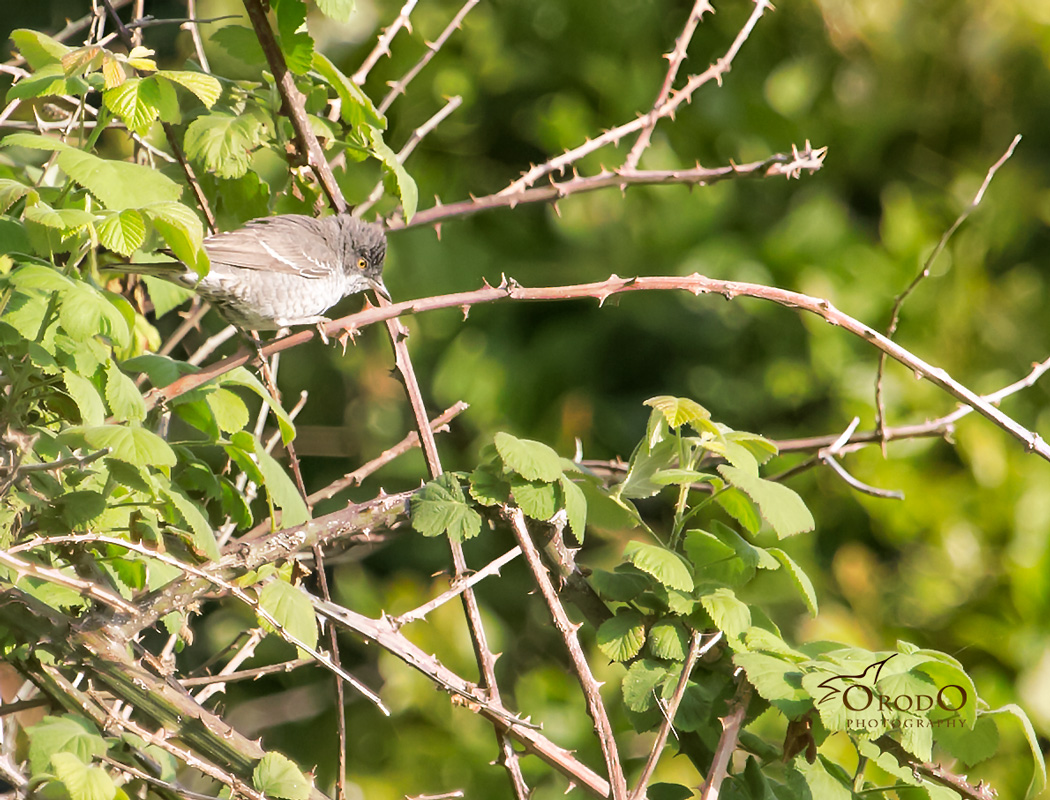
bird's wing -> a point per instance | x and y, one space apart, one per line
273 244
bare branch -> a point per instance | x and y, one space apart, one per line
398 87
675 59
731 726
570 637
50 575
492 568
382 47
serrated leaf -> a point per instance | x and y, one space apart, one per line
127 443
11 191
37 48
292 609
621 585
663 564
575 507
277 776
66 220
122 232
182 231
205 87
406 186
679 411
781 507
81 781
732 616
640 684
537 499
969 746
69 733
118 184
621 637
534 461
798 577
240 42
231 414
86 396
668 639
813 780
724 559
737 505
645 462
137 101
440 507
223 142
777 680
86 312
203 536
356 109
281 489
488 488
122 396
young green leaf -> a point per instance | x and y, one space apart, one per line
224 142
406 186
242 377
292 609
118 184
731 615
537 499
127 443
575 507
440 507
668 639
640 684
122 396
487 487
86 396
281 489
69 733
679 411
534 461
81 781
277 776
122 232
205 87
356 109
1038 782
782 508
665 565
339 10
621 637
801 580
37 48
203 536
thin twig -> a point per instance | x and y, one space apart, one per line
70 29
829 456
382 46
248 674
570 637
492 568
193 27
82 587
398 87
898 303
675 59
665 109
215 684
134 772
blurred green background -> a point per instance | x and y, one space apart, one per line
914 101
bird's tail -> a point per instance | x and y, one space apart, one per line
172 270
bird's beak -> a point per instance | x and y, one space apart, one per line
380 287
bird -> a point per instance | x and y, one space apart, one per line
276 272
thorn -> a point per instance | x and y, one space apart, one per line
557 208
465 308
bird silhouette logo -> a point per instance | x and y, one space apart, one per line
868 678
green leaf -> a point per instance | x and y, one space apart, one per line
231 414
640 684
242 377
969 746
666 566
122 232
440 507
292 609
801 580
183 232
777 680
534 461
680 411
69 733
240 42
668 639
127 443
737 505
86 312
668 791
339 10
67 220
48 81
575 507
86 396
223 142
814 780
487 487
622 585
719 561
1038 782
537 499
406 186
118 184
621 637
732 616
81 781
137 101
281 489
356 109
122 396
203 536
782 508
645 463
11 191
37 48
277 776
205 87
296 43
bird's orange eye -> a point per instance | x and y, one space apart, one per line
361 263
